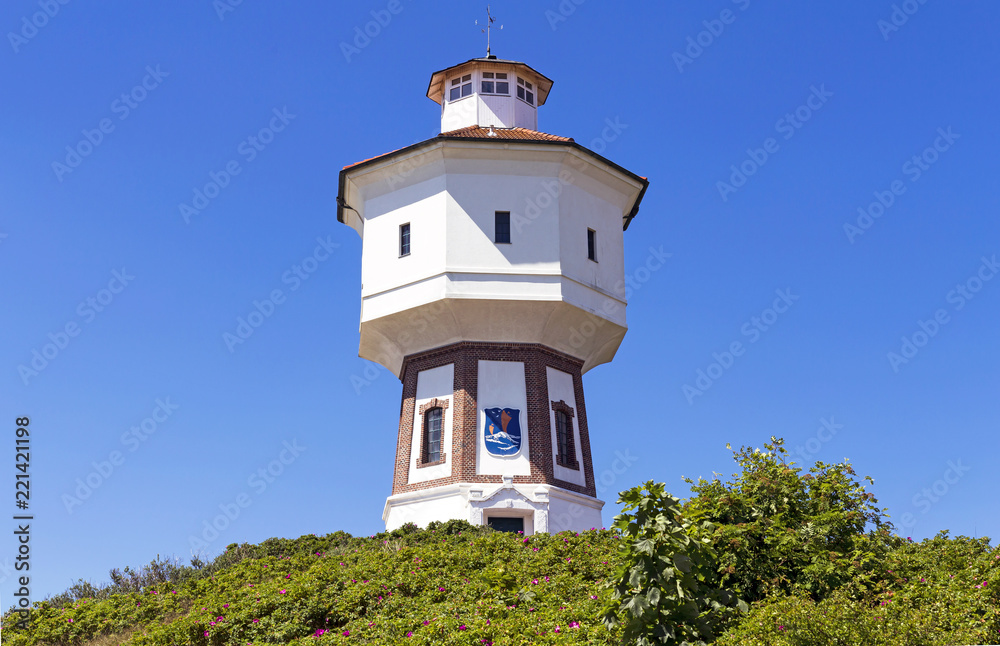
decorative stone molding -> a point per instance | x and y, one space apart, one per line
509 499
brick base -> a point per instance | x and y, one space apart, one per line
466 356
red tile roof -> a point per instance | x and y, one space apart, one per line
521 134
478 132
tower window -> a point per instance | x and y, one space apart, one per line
565 441
495 83
432 435
501 227
404 240
592 244
460 87
525 91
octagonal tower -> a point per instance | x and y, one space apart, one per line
492 279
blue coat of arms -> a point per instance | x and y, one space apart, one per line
502 431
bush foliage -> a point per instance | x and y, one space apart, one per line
810 552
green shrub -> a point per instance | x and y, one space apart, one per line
779 530
665 590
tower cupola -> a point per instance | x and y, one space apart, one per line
489 92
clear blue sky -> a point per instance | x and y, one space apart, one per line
868 98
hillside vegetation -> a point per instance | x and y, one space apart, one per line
775 556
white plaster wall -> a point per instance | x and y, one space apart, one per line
422 206
436 383
576 513
501 384
579 211
449 193
430 505
561 389
473 202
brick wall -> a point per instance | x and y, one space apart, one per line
466 356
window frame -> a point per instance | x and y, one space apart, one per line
497 215
591 244
460 83
423 448
526 88
429 455
493 77
565 450
405 239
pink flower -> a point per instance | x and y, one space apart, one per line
409 633
256 621
283 592
462 627
426 622
440 589
225 605
534 582
347 633
206 633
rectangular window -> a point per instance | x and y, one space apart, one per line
495 83
592 244
432 435
404 239
501 228
562 437
525 91
460 87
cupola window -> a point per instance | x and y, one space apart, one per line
460 87
495 83
525 91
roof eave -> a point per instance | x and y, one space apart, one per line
627 220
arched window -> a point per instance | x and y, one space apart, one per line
432 434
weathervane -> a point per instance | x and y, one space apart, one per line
489 24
